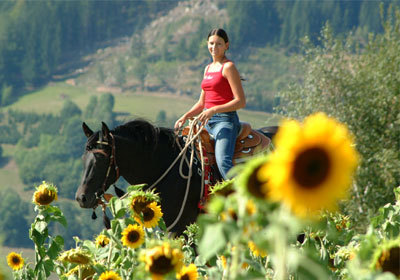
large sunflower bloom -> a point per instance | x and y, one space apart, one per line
102 240
162 260
15 261
109 275
45 194
312 166
188 273
133 236
151 215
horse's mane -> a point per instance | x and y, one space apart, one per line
144 131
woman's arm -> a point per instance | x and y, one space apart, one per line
239 100
194 111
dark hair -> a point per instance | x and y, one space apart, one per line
220 33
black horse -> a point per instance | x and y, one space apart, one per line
141 153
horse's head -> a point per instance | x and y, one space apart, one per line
97 160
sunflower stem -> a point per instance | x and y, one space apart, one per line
109 254
235 262
79 272
281 250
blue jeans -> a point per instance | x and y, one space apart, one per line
224 128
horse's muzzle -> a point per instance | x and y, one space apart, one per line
85 201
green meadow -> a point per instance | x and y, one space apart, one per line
128 104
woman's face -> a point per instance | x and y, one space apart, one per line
217 46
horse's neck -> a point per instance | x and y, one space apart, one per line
144 164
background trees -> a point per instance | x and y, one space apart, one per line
14 216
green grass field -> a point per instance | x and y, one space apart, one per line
145 105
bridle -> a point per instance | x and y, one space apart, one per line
112 161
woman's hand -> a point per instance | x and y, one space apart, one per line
180 122
206 115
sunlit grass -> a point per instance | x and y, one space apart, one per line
51 98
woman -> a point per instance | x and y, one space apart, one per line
222 94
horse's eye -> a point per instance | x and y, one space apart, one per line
89 147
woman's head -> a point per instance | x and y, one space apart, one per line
218 43
220 33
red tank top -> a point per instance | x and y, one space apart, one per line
216 87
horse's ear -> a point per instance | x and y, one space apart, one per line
88 132
105 130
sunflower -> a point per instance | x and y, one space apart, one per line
45 194
15 261
312 166
188 273
133 236
140 199
151 215
77 256
102 240
138 203
161 260
387 257
109 275
255 250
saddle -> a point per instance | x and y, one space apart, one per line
249 142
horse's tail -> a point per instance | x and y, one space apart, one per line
269 131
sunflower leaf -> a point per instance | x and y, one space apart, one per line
212 241
118 207
56 246
59 217
41 227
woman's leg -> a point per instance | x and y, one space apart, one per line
224 130
225 140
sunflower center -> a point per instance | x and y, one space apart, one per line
45 198
139 204
161 265
185 277
133 236
391 262
16 260
148 214
311 167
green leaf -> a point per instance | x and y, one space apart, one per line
59 217
56 246
136 187
48 266
213 241
118 207
37 237
41 226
